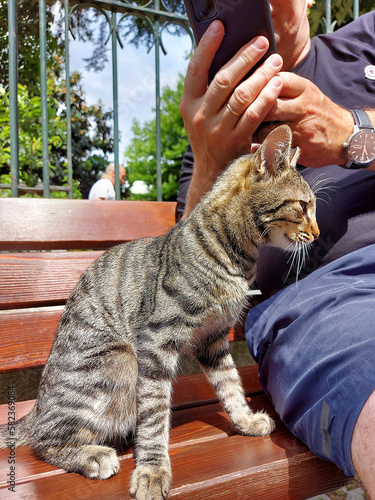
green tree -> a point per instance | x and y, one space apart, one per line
341 12
30 142
140 155
91 136
28 42
91 125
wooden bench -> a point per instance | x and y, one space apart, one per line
209 460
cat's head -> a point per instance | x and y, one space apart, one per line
286 203
263 196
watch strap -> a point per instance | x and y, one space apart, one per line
361 119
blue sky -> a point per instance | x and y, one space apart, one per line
136 78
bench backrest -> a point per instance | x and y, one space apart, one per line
39 264
53 224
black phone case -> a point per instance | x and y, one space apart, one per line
243 20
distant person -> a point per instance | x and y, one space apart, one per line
103 189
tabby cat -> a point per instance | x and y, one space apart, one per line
141 304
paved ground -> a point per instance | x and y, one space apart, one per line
345 494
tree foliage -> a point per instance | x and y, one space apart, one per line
140 156
341 13
92 139
89 24
30 141
28 42
91 136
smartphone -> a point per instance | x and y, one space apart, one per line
242 19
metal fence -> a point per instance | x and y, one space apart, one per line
329 25
155 12
158 16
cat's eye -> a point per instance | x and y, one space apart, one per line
303 206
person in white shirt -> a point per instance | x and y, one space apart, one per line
103 189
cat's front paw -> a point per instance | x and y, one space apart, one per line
97 462
257 424
149 483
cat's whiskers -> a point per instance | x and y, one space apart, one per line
298 251
302 253
323 196
318 191
317 181
293 249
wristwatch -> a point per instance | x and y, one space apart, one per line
360 147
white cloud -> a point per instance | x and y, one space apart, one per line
136 78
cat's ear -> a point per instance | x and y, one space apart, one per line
294 155
276 152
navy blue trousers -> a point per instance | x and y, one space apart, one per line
315 345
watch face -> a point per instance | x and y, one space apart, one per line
362 147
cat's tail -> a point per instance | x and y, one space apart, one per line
17 433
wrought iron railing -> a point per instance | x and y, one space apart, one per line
157 14
327 20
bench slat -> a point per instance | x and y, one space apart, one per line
198 437
40 278
276 467
194 390
38 224
27 337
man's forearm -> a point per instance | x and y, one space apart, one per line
199 185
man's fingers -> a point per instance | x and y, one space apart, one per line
248 91
197 72
261 106
231 74
291 103
293 85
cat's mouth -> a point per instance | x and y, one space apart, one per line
301 238
306 238
290 240
281 240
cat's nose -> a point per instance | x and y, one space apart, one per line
315 231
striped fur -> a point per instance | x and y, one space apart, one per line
133 312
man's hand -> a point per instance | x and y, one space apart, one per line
320 127
219 134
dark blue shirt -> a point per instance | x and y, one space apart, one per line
336 63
